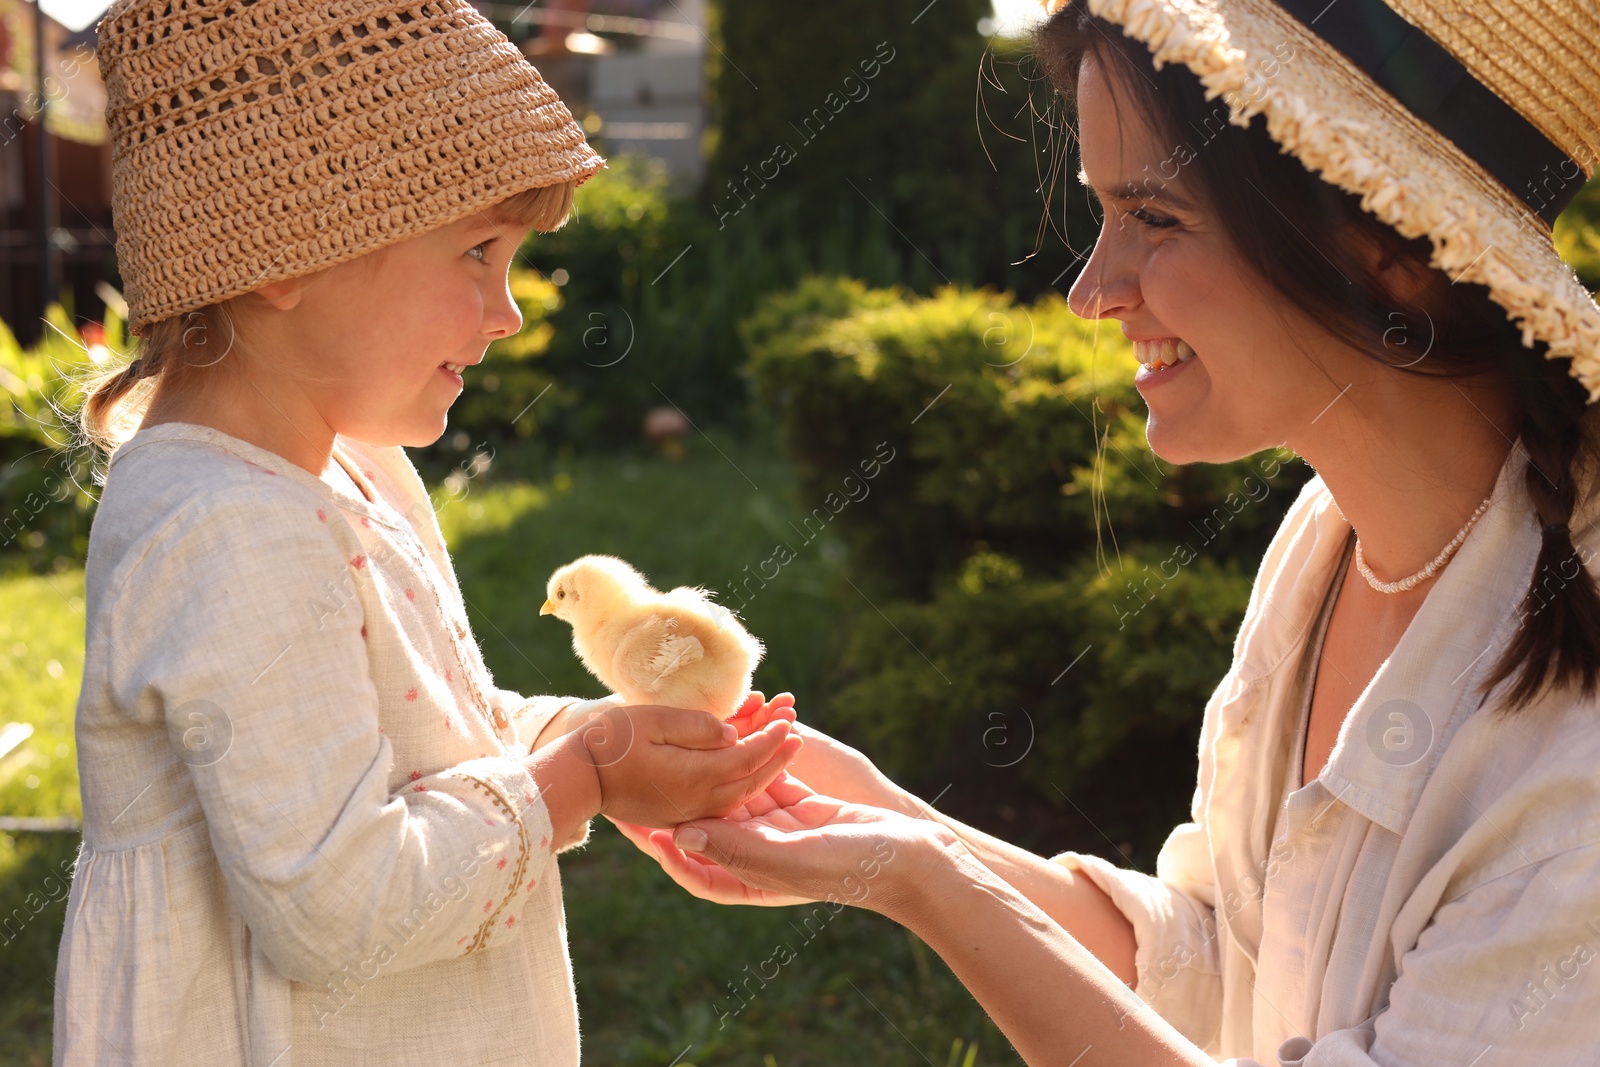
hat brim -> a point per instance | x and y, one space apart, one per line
1328 114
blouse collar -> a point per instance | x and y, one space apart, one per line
1399 727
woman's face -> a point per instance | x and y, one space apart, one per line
1162 266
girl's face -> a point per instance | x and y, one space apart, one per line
370 337
1162 266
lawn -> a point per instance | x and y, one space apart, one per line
662 978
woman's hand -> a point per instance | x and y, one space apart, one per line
757 711
830 767
705 878
806 847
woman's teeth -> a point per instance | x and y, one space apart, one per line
455 368
1162 353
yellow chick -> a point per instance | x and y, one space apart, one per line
675 648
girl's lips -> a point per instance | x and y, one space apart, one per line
1149 378
453 376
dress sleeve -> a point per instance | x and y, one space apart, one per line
532 714
272 712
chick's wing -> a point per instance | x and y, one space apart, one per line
652 652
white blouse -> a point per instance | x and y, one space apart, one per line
308 833
1433 896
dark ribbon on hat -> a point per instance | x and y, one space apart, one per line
1417 71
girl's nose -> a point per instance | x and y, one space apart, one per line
501 316
1108 288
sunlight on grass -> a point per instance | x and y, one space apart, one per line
41 668
660 975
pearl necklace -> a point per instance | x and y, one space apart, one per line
1425 573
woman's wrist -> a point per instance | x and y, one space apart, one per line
927 876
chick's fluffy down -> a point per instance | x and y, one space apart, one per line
676 648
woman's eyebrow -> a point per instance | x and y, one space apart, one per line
1148 190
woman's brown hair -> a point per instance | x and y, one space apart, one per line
178 352
1321 263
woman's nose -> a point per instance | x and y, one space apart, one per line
1108 287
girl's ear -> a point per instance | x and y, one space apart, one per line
284 294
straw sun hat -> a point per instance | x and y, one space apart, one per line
256 140
1473 122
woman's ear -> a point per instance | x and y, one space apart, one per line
1402 270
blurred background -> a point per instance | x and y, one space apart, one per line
805 344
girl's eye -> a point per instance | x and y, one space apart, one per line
484 248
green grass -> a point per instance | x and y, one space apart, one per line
654 966
41 665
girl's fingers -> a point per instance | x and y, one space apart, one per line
743 789
756 750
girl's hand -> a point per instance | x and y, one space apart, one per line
806 847
659 766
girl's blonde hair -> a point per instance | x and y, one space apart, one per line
176 353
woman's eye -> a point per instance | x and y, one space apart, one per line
1159 222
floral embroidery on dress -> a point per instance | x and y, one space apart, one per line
359 562
499 800
323 515
411 694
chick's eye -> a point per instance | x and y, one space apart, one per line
561 594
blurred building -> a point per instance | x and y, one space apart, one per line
632 71
67 194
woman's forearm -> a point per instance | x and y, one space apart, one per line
1048 993
1070 899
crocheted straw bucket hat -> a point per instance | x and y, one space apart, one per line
1474 122
255 140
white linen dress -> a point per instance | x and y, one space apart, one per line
308 835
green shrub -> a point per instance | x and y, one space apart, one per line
1036 578
652 294
898 111
1577 234
45 501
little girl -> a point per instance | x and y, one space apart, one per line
315 830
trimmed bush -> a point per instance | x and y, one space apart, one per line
1036 577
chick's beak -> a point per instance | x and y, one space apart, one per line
548 609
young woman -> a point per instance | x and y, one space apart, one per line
1326 226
